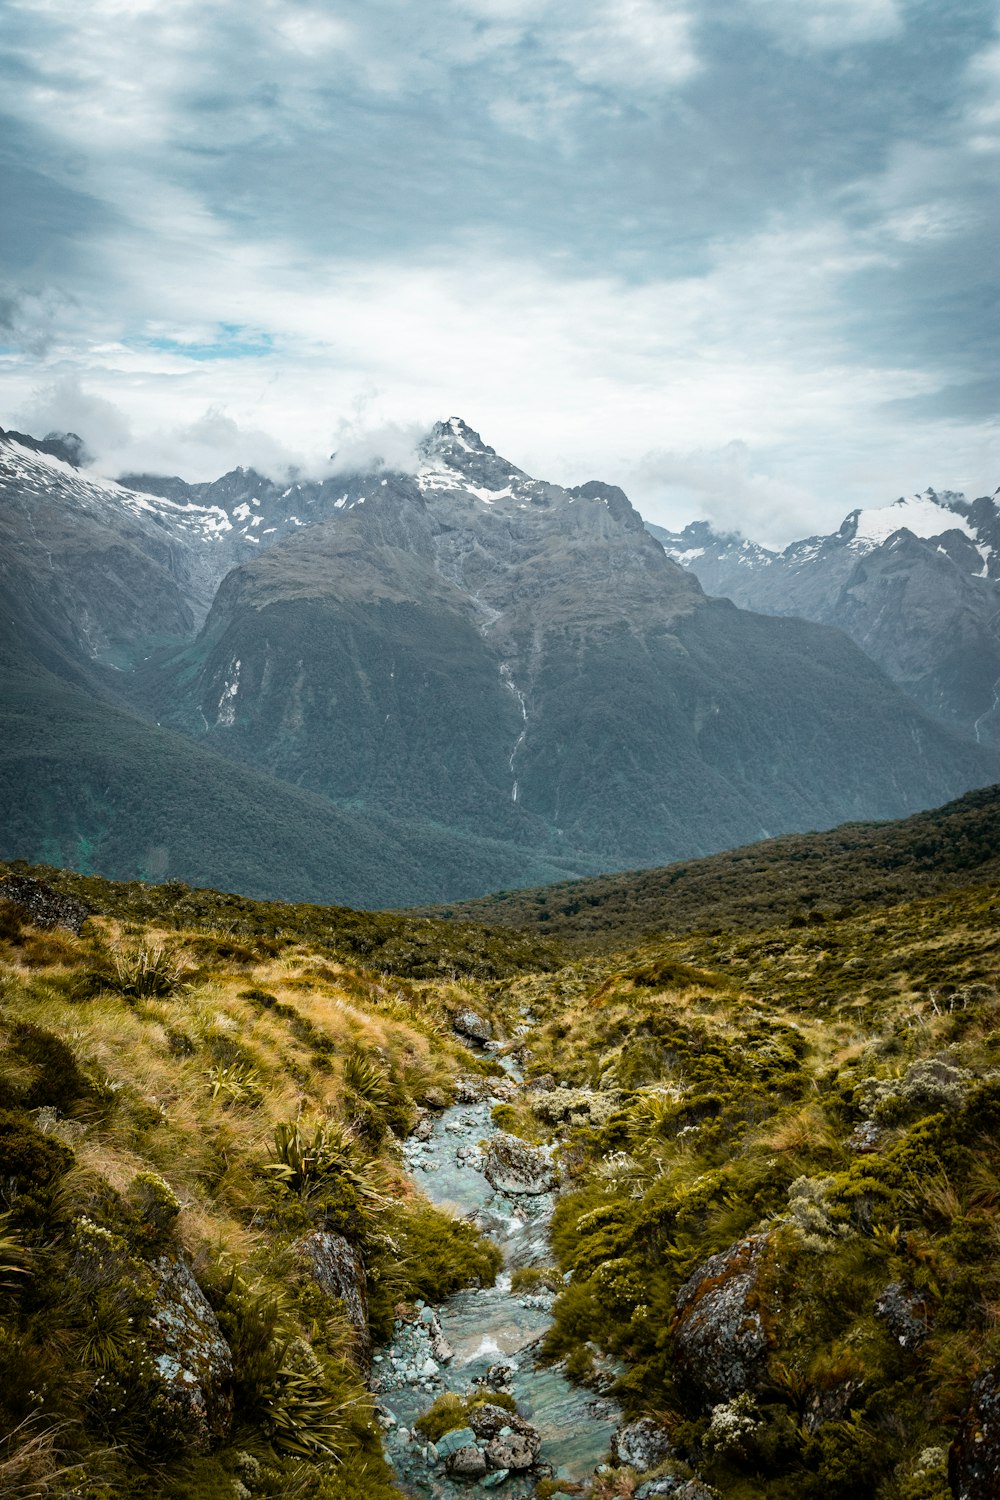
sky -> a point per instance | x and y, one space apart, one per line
737 256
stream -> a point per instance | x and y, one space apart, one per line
464 1344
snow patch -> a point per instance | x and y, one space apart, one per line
920 514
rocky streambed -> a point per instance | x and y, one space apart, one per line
523 1422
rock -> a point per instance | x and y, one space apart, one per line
190 1355
719 1339
491 1481
974 1456
339 1271
424 1127
905 1314
679 1489
498 1377
468 1463
41 905
451 1442
488 1420
471 1024
830 1405
512 1166
642 1445
543 1084
472 1090
513 1450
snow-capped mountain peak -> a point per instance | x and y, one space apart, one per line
925 516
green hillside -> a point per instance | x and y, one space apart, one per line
86 785
776 1145
803 878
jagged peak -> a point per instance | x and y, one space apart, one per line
455 432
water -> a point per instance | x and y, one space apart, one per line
490 1326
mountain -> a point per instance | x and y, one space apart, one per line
482 649
492 679
915 584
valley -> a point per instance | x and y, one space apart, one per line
709 1210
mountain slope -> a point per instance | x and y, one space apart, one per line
915 584
501 680
801 877
511 658
86 784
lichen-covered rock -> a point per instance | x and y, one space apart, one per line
642 1445
190 1355
512 1166
974 1458
338 1270
471 1024
719 1338
677 1489
487 1420
514 1447
41 905
467 1463
905 1314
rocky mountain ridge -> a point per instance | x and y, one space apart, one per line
514 668
915 584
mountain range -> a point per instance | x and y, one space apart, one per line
916 584
384 688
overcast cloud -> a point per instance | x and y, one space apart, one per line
738 256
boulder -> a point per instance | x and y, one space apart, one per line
467 1463
471 1024
974 1457
487 1420
192 1359
451 1442
719 1338
513 1447
513 1167
642 1445
905 1314
338 1270
41 905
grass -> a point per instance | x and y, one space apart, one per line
171 1085
717 1084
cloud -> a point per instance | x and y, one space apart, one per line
595 230
724 486
363 441
827 24
65 406
30 321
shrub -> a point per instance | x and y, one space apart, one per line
142 973
440 1254
311 1159
40 1069
446 1415
31 1165
154 1201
